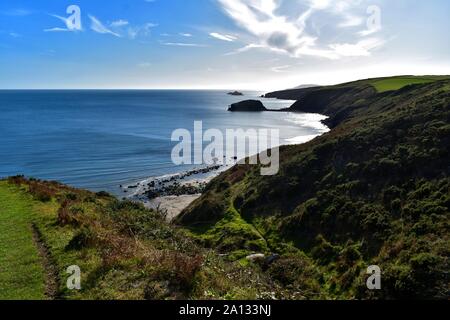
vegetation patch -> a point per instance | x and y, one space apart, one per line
396 83
375 190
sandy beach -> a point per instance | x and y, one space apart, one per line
171 194
171 205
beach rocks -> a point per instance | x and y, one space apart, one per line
257 257
176 189
176 185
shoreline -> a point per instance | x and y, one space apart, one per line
172 193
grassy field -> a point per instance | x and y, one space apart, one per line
21 271
396 83
124 251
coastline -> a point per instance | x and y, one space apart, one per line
171 194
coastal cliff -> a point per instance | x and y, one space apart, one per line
375 190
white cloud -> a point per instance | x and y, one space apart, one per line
223 37
246 48
187 35
369 31
56 30
351 21
99 27
119 23
359 49
183 44
288 34
281 69
144 30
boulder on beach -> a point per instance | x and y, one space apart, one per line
256 257
248 106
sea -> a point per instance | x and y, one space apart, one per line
102 139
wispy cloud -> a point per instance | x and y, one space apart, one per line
351 21
288 34
119 23
246 48
187 35
183 44
99 27
360 49
223 37
281 69
15 35
144 30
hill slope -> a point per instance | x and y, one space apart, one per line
123 250
374 190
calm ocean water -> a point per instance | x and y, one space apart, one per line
101 139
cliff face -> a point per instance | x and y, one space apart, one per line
374 190
336 102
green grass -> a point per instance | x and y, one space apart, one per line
21 273
124 251
396 83
242 237
372 191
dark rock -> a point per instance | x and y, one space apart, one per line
248 106
235 93
272 258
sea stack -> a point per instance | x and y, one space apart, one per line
248 106
235 93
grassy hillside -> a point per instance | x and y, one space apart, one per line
396 83
21 272
124 251
378 85
374 190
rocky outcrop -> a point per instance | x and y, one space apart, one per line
235 93
248 106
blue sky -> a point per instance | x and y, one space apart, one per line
231 44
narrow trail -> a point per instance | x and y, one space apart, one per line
51 271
